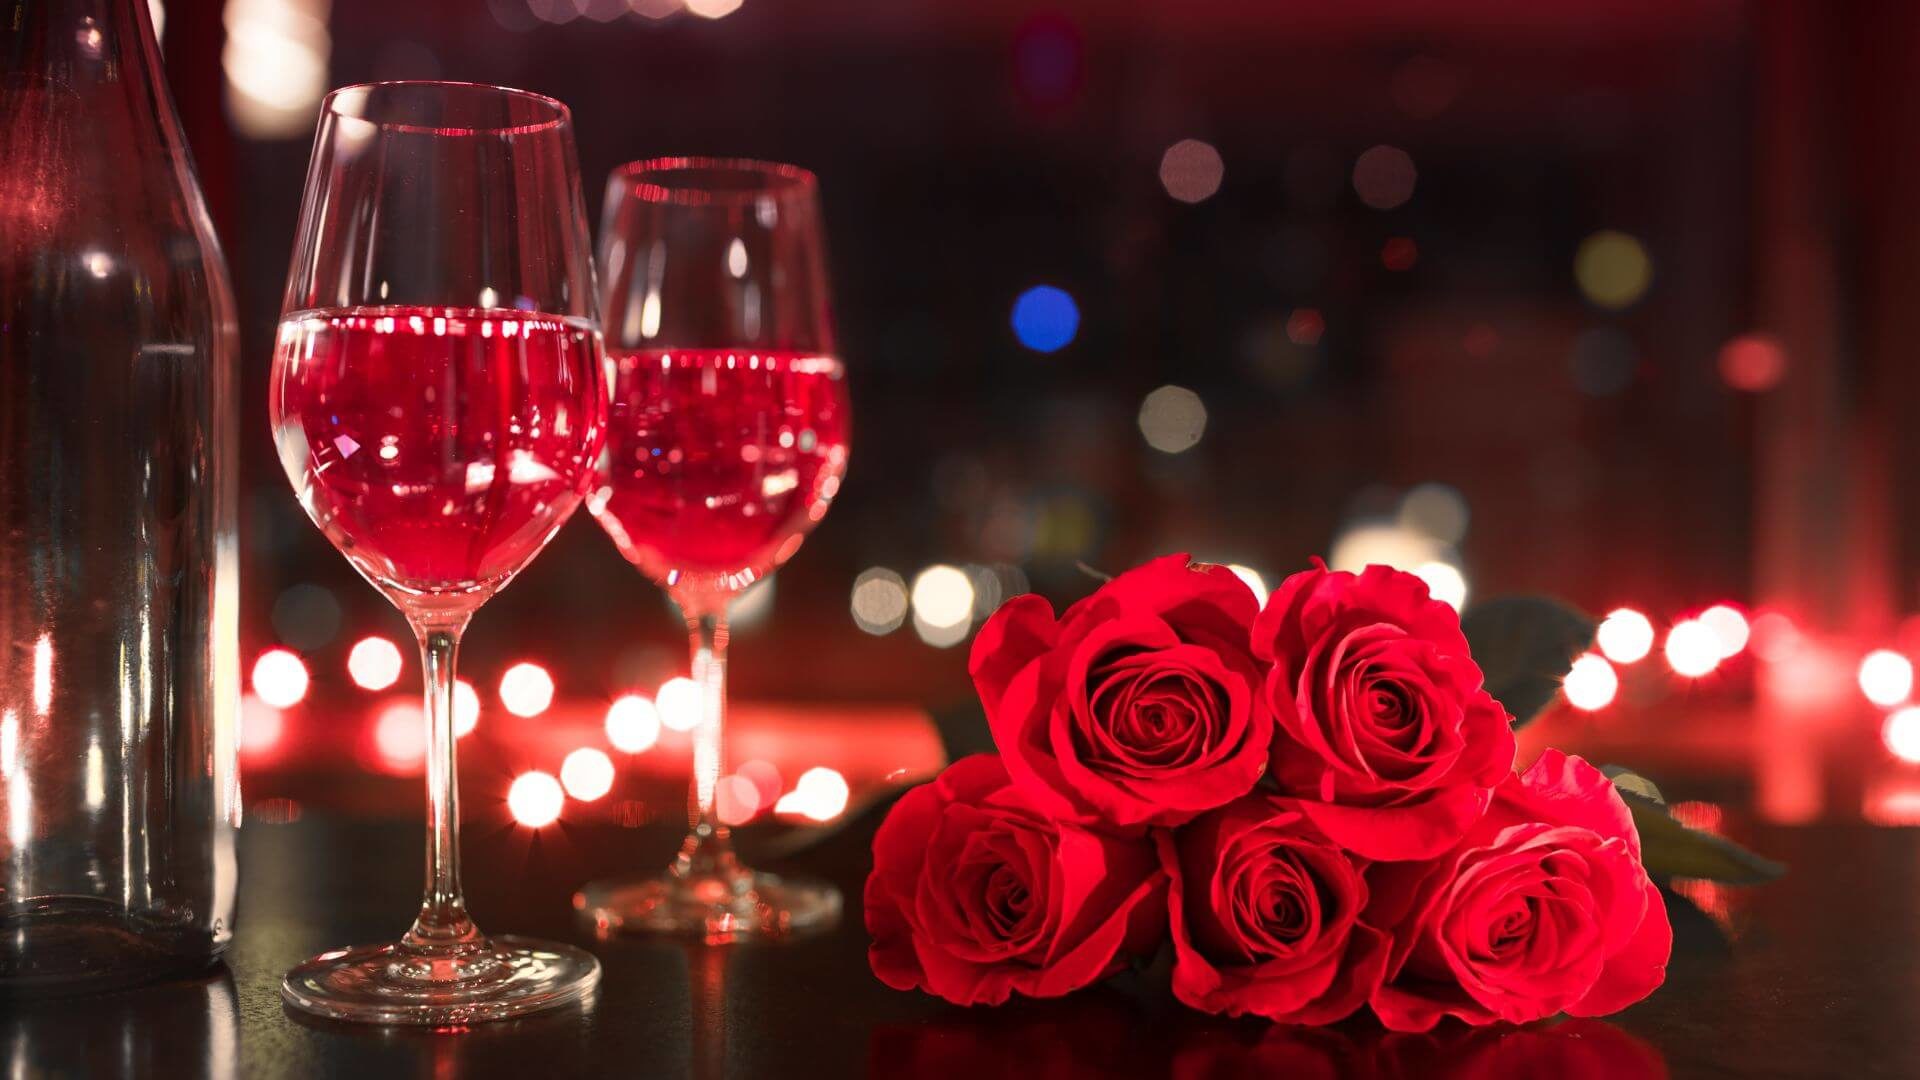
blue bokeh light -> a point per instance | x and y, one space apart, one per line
1045 319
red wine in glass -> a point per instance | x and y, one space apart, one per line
719 461
439 448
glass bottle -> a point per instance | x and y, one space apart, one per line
119 665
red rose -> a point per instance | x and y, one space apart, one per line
1544 908
1266 916
1140 706
1380 721
976 893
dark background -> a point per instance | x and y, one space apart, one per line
1759 154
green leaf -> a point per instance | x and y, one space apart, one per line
1632 783
1524 646
1671 850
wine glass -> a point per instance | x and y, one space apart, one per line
438 402
726 441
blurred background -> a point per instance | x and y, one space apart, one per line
1604 300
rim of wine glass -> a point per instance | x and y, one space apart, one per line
780 180
562 116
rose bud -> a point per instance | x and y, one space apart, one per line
1266 916
977 893
1544 908
1381 723
1139 706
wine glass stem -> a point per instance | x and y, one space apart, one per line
708 849
443 925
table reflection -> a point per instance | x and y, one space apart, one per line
1108 1036
179 1030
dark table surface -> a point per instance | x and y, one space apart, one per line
1815 975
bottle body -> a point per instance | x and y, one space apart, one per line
119 665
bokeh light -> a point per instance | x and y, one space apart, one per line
466 708
1773 637
713 9
1591 683
1045 319
526 689
1172 419
1384 177
1692 649
1445 582
678 703
820 793
1191 170
1753 362
1901 733
1254 581
879 601
1625 636
765 778
535 798
942 597
1383 544
374 663
1729 626
306 616
736 799
1305 326
1399 254
275 62
1886 677
1437 510
261 725
633 724
400 735
280 678
1612 269
587 773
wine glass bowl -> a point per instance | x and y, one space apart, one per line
727 439
438 401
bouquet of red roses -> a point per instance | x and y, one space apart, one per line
1314 803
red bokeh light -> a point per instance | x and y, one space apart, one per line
1753 362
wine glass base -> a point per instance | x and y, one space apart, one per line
714 907
520 976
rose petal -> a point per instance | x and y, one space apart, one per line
1420 829
1017 633
1636 970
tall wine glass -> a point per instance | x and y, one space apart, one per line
438 402
726 442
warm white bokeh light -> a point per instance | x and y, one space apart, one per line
1693 649
275 62
261 725
1172 419
535 799
821 794
1625 636
374 663
678 703
466 708
1445 582
1254 581
633 724
1901 733
1886 677
280 678
1729 626
587 773
1383 544
943 597
526 689
879 602
400 735
1591 683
